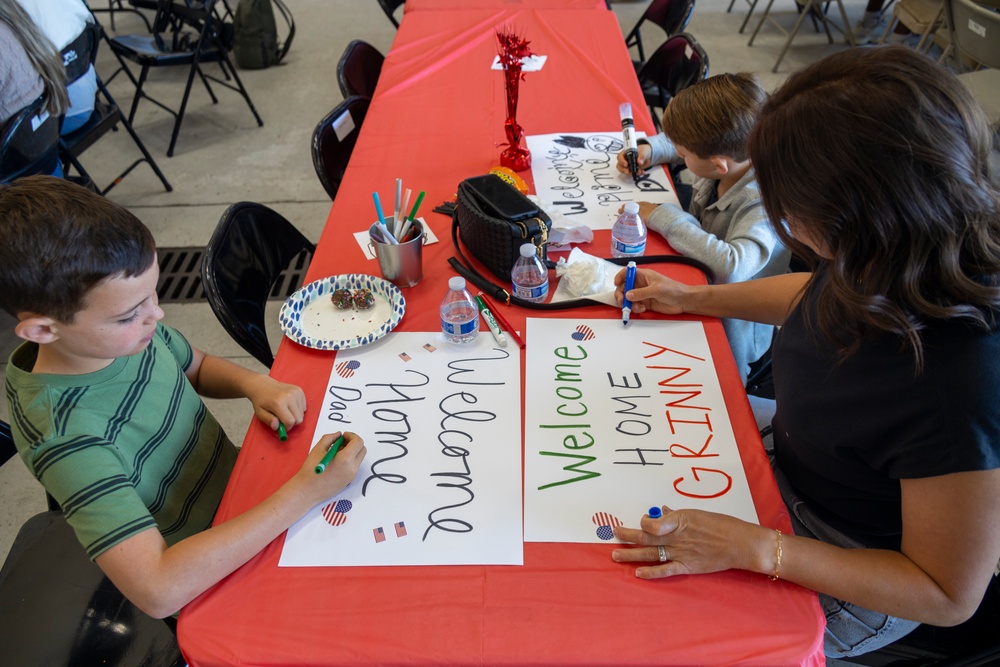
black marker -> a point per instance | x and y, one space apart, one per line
628 132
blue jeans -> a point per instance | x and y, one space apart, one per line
850 630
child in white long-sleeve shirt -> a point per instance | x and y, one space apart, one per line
706 126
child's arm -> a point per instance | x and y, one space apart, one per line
749 243
273 401
160 579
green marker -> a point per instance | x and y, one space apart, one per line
282 433
334 448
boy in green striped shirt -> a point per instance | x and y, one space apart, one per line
105 407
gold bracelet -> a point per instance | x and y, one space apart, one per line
777 562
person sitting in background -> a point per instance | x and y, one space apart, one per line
706 126
871 26
63 23
887 363
29 66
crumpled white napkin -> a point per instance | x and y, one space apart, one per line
582 275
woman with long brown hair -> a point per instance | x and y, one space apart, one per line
887 365
30 65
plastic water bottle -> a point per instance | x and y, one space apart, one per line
628 236
459 314
529 277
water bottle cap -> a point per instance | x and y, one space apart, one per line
631 207
527 250
456 283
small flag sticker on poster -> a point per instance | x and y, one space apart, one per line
400 529
379 534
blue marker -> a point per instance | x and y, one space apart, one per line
655 513
629 284
381 221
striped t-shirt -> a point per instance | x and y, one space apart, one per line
124 449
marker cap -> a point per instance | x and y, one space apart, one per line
655 513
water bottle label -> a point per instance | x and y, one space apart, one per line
628 248
531 292
459 328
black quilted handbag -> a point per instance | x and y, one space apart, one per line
494 240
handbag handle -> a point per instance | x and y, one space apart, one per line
465 269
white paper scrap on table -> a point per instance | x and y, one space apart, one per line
441 482
620 419
577 173
530 63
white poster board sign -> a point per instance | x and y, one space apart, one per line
618 420
441 483
576 173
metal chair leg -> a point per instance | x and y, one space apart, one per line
794 31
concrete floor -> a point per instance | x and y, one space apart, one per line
222 156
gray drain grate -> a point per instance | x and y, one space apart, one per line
180 275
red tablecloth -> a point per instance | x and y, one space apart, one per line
437 118
414 5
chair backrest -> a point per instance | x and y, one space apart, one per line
676 64
29 142
7 448
975 30
672 16
182 25
389 6
359 69
333 141
250 247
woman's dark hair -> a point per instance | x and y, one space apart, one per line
883 156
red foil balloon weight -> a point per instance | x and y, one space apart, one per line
512 49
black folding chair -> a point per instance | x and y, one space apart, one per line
389 7
29 142
359 68
58 609
105 118
243 261
186 35
676 64
672 16
333 141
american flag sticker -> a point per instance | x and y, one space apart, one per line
404 356
429 347
605 519
335 513
605 524
583 332
400 529
345 369
379 535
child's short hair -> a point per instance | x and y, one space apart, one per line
59 241
715 116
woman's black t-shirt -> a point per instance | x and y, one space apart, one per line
846 432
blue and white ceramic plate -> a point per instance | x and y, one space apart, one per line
309 317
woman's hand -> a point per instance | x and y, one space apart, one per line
652 291
696 542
